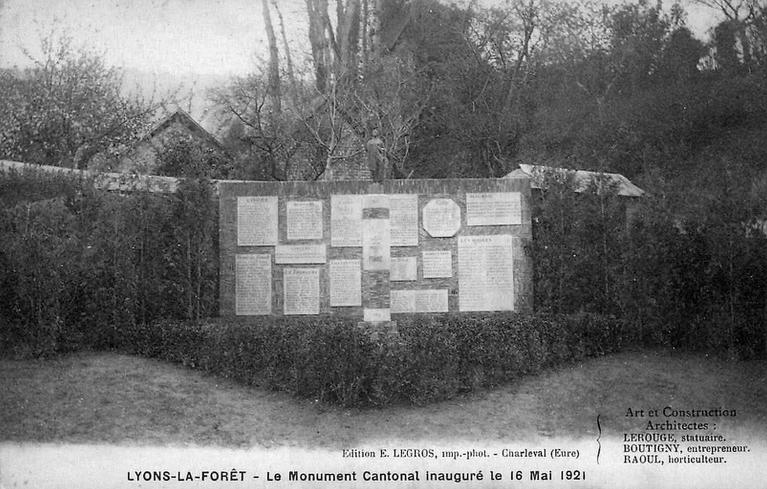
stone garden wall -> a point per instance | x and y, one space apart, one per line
374 251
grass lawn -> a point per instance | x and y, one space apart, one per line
112 398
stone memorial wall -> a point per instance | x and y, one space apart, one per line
374 251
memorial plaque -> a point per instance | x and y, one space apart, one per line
257 221
437 264
485 273
345 220
402 301
253 284
441 218
431 300
493 209
304 219
301 287
403 214
417 301
292 254
403 268
374 315
345 283
376 234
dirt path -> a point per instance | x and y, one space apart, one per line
104 397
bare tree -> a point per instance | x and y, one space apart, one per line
349 30
328 125
274 60
745 17
286 48
68 107
317 12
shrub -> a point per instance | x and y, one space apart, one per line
30 184
578 245
688 270
334 360
37 251
77 265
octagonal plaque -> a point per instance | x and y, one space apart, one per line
441 218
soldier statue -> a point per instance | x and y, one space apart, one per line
378 163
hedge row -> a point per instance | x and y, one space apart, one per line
78 265
689 268
334 360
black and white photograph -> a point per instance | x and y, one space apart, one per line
267 244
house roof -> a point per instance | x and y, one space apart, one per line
185 119
581 178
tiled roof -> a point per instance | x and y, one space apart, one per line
581 178
185 119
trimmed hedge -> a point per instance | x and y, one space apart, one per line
335 361
80 265
689 269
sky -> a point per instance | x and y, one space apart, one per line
204 37
219 37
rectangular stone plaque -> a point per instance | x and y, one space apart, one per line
437 264
304 219
291 254
257 221
415 301
402 301
345 283
301 287
403 268
403 214
253 284
485 273
345 220
493 209
373 315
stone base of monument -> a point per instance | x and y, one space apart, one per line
382 330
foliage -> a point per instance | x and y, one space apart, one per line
67 107
182 156
315 131
30 184
78 268
333 360
739 40
578 245
687 271
34 286
478 89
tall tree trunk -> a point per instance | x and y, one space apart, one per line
340 27
528 13
274 60
335 54
286 48
376 39
350 39
745 44
318 42
364 35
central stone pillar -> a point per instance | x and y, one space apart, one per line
376 258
